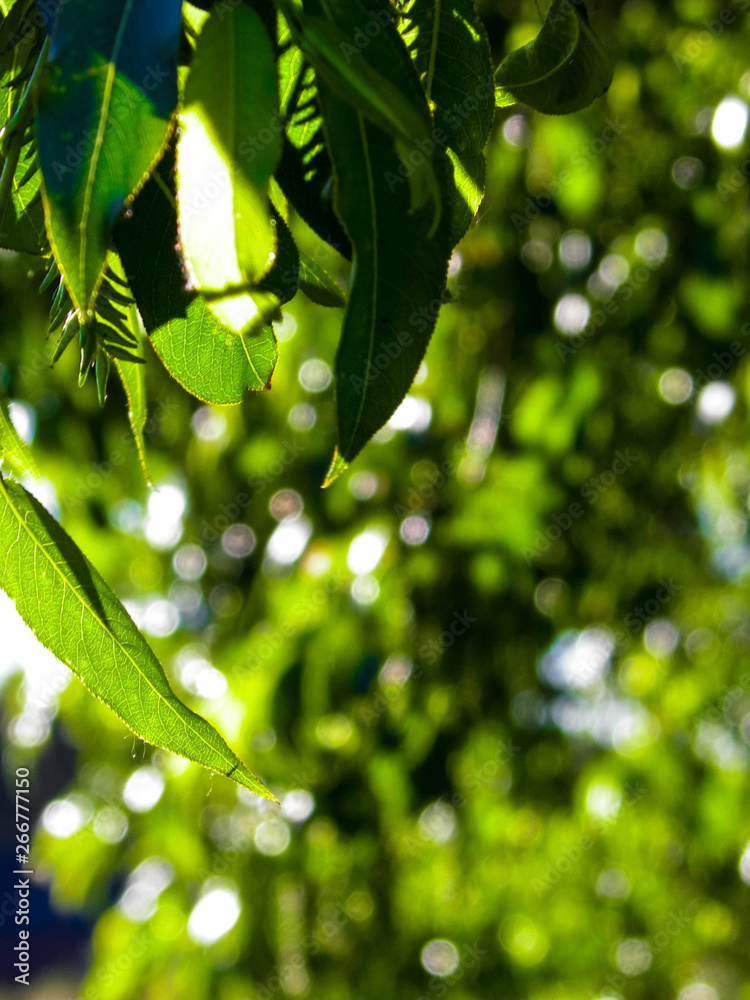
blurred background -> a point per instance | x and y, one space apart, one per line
498 674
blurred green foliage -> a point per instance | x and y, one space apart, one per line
525 735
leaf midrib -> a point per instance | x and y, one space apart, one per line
116 642
375 269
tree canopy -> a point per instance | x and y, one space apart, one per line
496 672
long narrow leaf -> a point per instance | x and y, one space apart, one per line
73 612
104 115
133 379
399 278
226 234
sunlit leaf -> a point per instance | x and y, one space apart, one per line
562 70
225 227
22 221
133 379
16 454
448 44
73 612
105 105
209 359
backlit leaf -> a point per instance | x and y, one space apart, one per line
317 284
133 379
104 113
225 227
16 454
22 214
73 612
207 358
562 70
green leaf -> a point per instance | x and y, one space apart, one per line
562 70
317 284
16 454
352 74
73 612
399 274
21 211
105 104
305 172
449 46
133 378
378 79
207 358
282 280
225 227
22 220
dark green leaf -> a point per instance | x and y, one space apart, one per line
399 273
283 279
562 70
379 80
317 284
449 47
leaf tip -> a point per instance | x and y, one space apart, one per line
337 466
